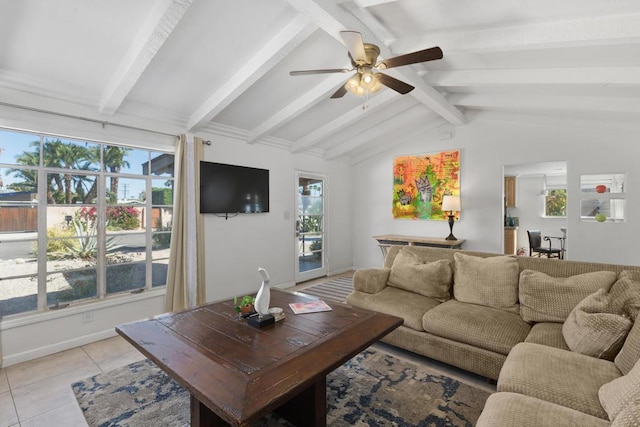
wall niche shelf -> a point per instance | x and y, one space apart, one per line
602 197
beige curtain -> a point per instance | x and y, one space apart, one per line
185 276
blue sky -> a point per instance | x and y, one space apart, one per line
13 144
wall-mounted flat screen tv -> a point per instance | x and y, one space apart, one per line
228 189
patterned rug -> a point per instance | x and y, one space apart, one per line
373 389
335 290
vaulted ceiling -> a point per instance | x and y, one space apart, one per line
222 66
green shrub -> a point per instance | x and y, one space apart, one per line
161 240
56 248
161 196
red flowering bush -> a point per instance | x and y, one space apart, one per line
123 217
119 217
87 215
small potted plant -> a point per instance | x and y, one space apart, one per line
245 305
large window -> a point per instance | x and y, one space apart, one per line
80 221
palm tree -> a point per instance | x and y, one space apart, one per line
29 176
67 156
114 161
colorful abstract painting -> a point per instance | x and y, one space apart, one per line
419 182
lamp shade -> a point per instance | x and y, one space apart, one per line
451 203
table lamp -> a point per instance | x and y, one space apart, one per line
451 204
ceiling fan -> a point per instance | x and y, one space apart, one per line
368 78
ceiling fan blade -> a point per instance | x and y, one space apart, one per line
395 84
355 45
412 58
340 92
325 71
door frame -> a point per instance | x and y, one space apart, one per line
318 272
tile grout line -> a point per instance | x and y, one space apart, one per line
92 360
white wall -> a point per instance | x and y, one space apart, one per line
236 247
486 146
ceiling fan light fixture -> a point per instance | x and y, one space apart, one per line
363 82
354 85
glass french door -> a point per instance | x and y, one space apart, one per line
310 236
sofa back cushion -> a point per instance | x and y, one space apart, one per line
431 279
630 352
550 299
595 327
491 282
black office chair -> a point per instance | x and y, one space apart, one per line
535 246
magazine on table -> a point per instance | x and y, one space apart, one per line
309 307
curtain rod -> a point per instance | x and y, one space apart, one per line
86 119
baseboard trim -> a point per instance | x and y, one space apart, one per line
35 353
340 271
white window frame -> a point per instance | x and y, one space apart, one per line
101 206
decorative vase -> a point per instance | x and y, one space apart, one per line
264 294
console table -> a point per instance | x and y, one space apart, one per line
387 240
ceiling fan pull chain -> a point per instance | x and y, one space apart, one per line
365 101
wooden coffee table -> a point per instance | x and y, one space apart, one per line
237 373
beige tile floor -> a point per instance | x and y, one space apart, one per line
38 393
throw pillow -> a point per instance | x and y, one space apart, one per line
491 281
550 299
621 392
629 416
630 352
432 279
625 293
594 329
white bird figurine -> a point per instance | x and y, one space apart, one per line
264 294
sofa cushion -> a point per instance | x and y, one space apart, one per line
550 299
397 302
547 333
371 280
621 392
557 376
431 279
625 293
477 325
630 352
594 328
513 409
629 416
492 282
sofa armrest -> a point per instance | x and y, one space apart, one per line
371 280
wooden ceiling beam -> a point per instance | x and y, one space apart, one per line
272 53
342 121
298 106
160 23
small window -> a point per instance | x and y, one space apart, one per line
555 203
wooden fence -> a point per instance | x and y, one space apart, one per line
18 218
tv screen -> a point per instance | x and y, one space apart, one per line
233 189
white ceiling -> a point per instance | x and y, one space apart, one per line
222 66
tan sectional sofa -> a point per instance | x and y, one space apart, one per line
558 336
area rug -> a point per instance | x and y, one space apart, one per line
372 389
335 290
